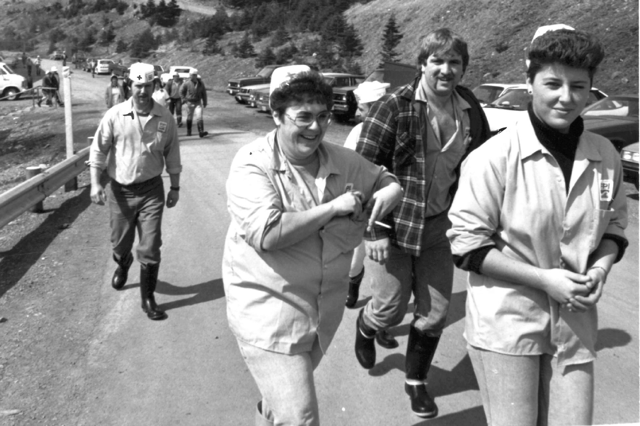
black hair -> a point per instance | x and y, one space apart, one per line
442 41
307 86
575 49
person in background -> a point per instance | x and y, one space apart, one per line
126 83
194 94
421 133
296 206
135 141
159 94
37 64
175 101
114 93
366 94
538 221
50 86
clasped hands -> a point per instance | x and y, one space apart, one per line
575 292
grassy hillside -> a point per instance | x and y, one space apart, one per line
490 26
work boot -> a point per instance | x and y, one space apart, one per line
189 123
385 339
420 351
179 121
354 289
365 345
39 102
122 271
148 281
201 131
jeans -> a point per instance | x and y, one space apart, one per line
138 206
194 110
532 390
428 276
286 384
175 104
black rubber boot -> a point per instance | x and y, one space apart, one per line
365 343
354 289
148 281
385 339
420 351
189 124
201 131
122 271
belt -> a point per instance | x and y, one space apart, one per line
139 185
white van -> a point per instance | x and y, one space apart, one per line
11 84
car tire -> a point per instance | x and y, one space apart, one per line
11 94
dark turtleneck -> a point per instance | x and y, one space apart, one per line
562 146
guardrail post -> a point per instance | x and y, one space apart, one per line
31 172
72 185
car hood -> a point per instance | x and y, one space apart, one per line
344 89
591 123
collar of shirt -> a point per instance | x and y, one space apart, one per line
458 101
529 144
279 160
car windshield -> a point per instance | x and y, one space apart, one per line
487 94
330 81
265 72
7 69
517 99
613 107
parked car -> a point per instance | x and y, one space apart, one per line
512 105
344 101
264 76
262 99
11 84
56 55
244 94
615 118
158 70
630 158
182 70
103 66
489 92
118 68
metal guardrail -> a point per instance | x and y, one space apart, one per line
29 193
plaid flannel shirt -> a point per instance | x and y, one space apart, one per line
391 137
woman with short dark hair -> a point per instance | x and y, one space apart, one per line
538 221
296 206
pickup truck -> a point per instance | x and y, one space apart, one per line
344 101
264 76
11 84
182 70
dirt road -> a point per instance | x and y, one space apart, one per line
75 352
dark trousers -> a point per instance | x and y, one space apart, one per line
175 104
137 207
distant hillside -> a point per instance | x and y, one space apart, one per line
490 26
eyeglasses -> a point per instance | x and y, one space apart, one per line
307 119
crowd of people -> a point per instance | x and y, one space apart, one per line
428 189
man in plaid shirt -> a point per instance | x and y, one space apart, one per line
422 132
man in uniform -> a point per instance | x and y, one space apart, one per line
194 94
50 86
421 133
175 101
133 141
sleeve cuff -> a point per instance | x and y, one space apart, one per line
620 241
473 260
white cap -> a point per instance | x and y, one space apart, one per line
545 29
53 69
141 72
284 74
370 91
193 71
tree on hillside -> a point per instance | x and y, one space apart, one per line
211 47
266 57
107 35
245 48
280 37
148 9
121 46
143 44
390 40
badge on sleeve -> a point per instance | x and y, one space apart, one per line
348 187
606 189
162 127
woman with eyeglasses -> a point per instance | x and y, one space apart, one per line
298 209
538 221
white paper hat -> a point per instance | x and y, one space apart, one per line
284 74
193 71
53 69
370 91
141 72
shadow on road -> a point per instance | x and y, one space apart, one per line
15 263
201 293
609 338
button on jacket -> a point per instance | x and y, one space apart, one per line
392 136
512 195
280 300
139 152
